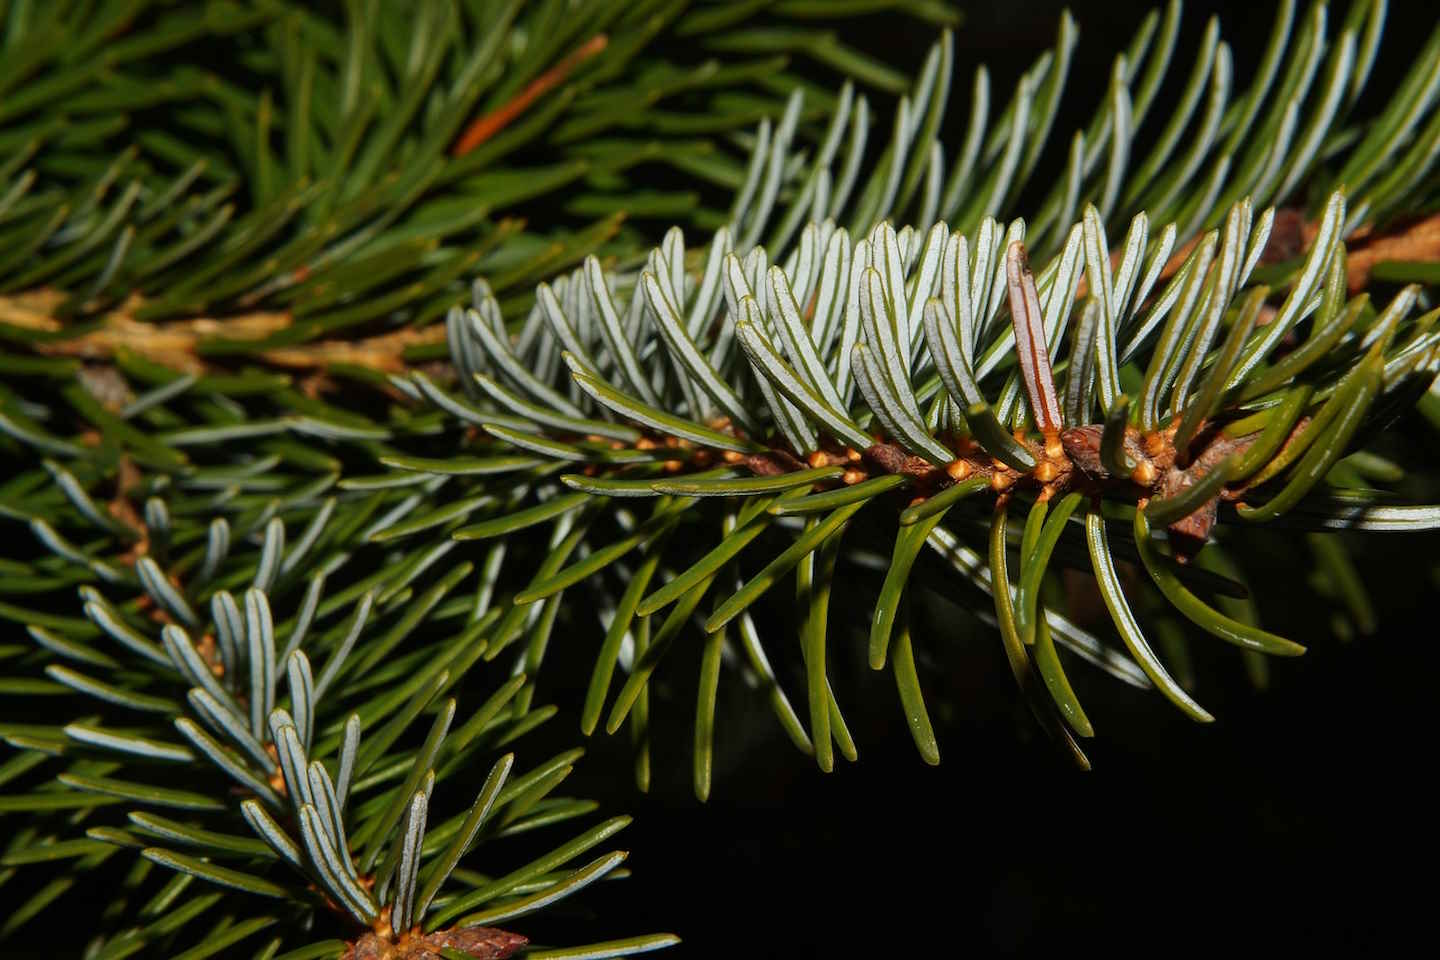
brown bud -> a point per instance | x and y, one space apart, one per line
889 458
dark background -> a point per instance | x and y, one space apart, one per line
1299 820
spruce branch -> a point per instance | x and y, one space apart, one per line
1206 429
815 370
277 774
1167 351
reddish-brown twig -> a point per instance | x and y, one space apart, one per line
496 120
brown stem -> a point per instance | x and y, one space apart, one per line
496 120
1418 241
481 943
176 343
